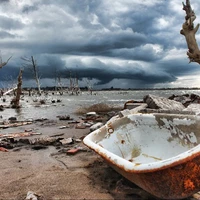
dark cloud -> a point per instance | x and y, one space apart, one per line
109 41
4 1
27 8
8 23
5 34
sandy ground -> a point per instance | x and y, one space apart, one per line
52 174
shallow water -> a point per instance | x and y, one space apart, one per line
70 103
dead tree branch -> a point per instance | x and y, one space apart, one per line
32 64
2 64
189 32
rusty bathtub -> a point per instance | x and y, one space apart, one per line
158 152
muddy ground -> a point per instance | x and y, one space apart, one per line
53 174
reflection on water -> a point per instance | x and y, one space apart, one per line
69 104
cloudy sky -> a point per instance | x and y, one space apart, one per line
105 43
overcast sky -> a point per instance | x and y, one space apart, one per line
119 43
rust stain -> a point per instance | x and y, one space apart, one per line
122 141
148 156
179 180
188 185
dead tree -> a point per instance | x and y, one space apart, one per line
31 63
189 31
16 100
2 64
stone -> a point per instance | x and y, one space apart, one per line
73 151
193 107
66 141
96 126
156 102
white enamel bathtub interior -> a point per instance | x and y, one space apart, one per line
147 141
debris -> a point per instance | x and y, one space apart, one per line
8 125
90 114
78 140
12 119
73 151
42 141
156 102
3 149
56 135
32 196
28 130
63 127
197 195
96 126
65 117
66 141
81 126
21 134
193 107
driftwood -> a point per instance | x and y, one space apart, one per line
9 91
189 31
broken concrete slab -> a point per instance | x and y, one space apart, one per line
156 102
193 107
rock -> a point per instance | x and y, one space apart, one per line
41 119
66 141
3 149
96 126
194 107
12 119
91 114
80 126
197 195
156 102
32 196
43 141
63 127
65 117
1 108
78 140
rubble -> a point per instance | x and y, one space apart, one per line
66 141
21 134
96 126
43 141
64 117
3 149
15 124
156 102
32 196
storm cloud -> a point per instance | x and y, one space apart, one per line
119 43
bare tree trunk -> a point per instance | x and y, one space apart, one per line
189 32
36 75
16 100
31 64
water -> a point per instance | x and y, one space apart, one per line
69 104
